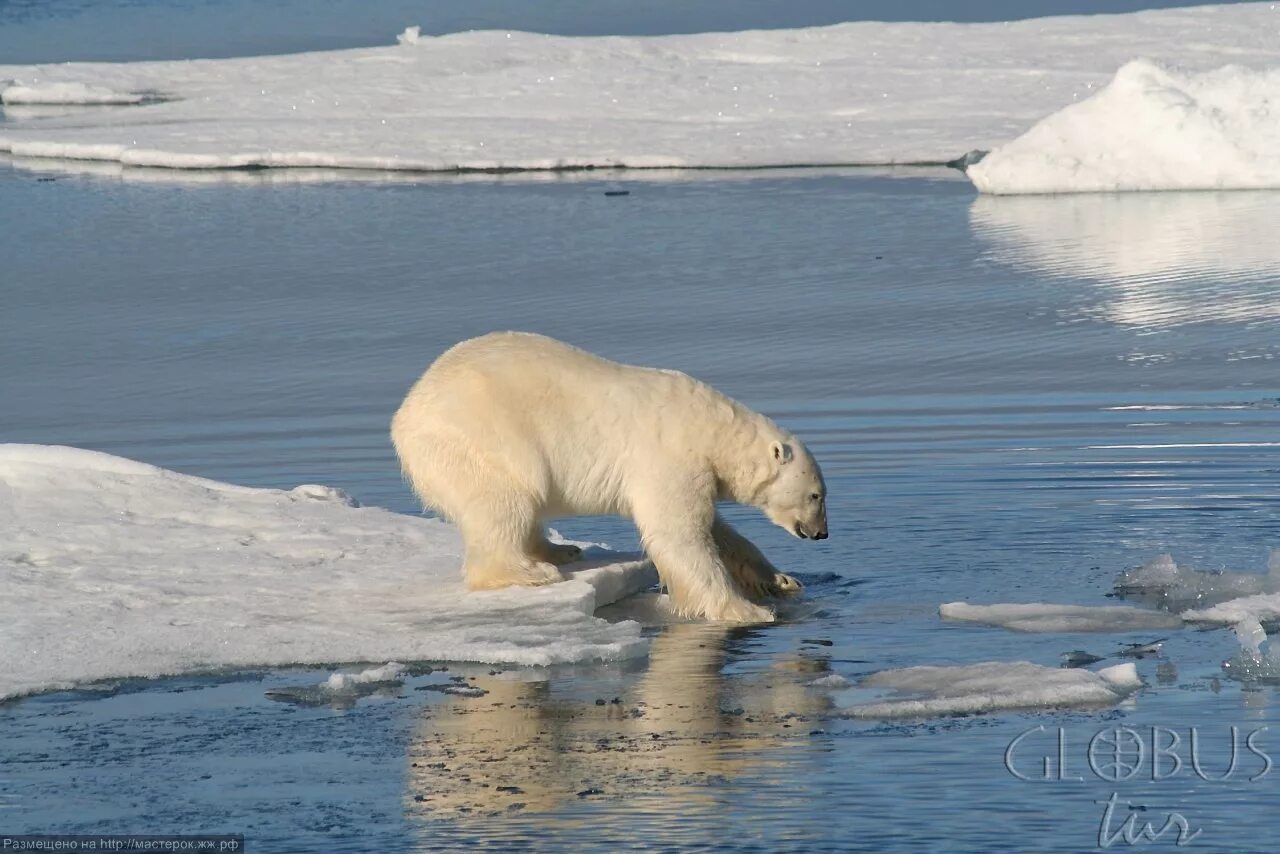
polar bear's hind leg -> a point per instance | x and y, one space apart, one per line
497 517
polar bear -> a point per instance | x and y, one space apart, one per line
505 431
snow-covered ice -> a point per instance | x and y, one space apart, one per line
114 568
851 93
1045 617
1153 127
994 686
66 93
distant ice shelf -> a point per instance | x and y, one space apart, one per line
857 93
112 569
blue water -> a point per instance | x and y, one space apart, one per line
962 368
1012 399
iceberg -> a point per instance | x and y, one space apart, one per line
850 94
1153 127
114 569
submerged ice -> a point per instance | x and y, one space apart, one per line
113 568
991 686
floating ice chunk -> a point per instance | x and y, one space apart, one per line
344 689
1145 649
392 671
1080 658
1251 636
994 686
1044 617
1153 127
1174 588
1254 664
1263 607
410 35
1159 572
114 568
66 93
317 492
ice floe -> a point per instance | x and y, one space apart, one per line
1153 127
1046 617
991 686
863 92
113 568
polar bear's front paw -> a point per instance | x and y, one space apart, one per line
535 573
525 573
785 585
560 553
742 612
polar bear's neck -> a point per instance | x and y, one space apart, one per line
739 455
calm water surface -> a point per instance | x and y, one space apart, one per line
1013 400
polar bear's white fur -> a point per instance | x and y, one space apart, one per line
510 429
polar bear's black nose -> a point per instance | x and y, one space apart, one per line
820 535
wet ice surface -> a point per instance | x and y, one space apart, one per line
1013 404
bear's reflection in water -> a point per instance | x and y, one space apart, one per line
682 726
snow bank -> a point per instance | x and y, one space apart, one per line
852 93
113 568
1043 617
1152 127
994 686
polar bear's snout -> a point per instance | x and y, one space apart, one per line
818 532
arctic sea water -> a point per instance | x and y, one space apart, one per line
1013 400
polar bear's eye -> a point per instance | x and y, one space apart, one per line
815 497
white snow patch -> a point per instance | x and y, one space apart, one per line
994 686
863 92
1153 127
1045 617
70 92
114 568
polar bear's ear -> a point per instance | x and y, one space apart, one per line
781 452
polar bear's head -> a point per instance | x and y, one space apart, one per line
796 497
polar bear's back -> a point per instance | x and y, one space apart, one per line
558 421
